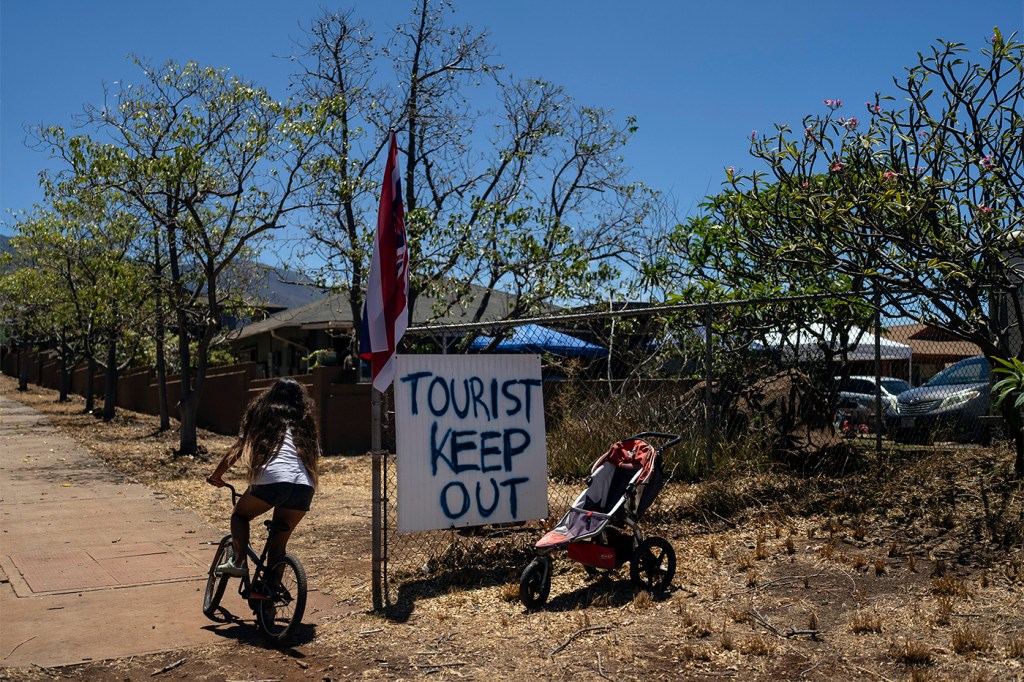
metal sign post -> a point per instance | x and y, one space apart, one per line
377 521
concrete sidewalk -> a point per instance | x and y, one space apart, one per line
93 567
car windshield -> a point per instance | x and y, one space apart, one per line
973 371
895 386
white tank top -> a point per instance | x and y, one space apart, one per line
285 466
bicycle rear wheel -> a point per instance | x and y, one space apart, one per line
216 582
281 612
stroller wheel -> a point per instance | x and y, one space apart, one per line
535 583
653 565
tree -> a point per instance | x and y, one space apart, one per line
25 301
921 204
215 163
78 251
526 191
337 70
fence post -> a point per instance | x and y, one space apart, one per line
708 407
878 377
377 519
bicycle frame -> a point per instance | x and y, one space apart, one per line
275 590
258 561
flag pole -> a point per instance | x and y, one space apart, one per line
385 319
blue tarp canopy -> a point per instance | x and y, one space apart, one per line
533 338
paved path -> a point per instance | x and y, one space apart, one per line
93 567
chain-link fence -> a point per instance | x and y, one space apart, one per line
745 384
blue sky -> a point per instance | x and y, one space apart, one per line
698 76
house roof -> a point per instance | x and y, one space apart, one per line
928 341
333 312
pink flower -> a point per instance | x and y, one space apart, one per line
833 104
986 162
805 184
837 166
753 135
849 123
873 108
984 209
889 175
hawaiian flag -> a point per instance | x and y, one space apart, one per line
386 310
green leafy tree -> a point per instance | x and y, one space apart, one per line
213 162
81 247
25 304
920 203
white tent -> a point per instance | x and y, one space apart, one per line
807 344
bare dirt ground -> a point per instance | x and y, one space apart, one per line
913 573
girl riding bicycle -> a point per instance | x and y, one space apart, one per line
280 445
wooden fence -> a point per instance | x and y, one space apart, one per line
344 406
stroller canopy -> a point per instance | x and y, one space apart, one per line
624 480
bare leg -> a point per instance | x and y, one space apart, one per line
247 508
278 543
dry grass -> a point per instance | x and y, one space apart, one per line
696 626
757 646
867 621
969 640
695 653
643 601
951 586
475 627
912 652
943 610
745 563
510 592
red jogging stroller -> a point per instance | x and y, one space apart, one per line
601 529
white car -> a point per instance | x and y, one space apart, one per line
857 397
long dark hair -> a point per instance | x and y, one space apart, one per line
284 405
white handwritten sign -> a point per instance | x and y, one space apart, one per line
470 440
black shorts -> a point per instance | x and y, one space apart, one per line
286 495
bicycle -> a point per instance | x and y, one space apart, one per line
276 593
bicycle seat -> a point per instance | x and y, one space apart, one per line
276 526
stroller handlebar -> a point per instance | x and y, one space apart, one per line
671 438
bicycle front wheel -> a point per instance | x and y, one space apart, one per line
216 582
281 612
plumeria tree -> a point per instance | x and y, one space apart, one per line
917 202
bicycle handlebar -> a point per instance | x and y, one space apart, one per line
234 494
